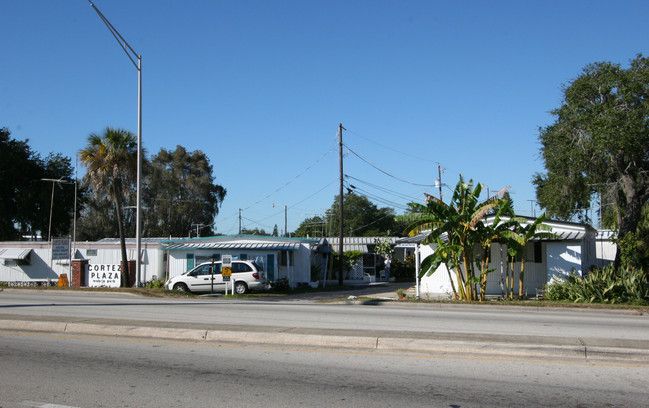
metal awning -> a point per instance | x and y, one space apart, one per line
253 246
564 236
15 253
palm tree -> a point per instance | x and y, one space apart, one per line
111 159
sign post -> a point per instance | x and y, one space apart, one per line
212 277
60 249
226 271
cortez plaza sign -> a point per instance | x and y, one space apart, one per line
103 275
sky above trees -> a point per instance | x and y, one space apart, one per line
260 87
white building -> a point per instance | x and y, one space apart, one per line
573 251
281 258
30 262
605 247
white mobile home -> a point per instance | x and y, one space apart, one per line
572 251
281 258
31 263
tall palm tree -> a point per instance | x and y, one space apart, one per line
111 159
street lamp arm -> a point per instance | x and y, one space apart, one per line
58 180
130 52
132 55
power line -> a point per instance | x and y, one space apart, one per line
380 199
391 148
303 200
282 187
292 180
383 189
386 172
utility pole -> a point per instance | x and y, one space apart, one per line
239 221
439 175
286 221
532 211
341 235
198 226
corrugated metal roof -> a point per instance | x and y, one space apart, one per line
132 240
417 239
258 246
606 235
560 236
361 244
564 236
359 240
353 247
14 253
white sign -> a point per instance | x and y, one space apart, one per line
103 276
226 261
60 248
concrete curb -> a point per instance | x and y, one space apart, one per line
136 331
635 351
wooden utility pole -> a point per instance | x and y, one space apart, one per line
439 173
341 235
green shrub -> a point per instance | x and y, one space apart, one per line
155 284
606 285
280 285
350 258
403 271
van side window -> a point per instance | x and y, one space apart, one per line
240 267
203 270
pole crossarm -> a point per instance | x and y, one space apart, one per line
130 52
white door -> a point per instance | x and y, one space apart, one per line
202 279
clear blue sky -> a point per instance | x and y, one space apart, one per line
260 87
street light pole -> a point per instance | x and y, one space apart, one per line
132 55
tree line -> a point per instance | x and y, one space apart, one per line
178 190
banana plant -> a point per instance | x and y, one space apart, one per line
524 234
457 228
498 231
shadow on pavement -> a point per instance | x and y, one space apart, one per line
379 291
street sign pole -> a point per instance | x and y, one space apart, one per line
226 272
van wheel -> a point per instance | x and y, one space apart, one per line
241 288
181 287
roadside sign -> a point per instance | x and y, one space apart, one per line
226 271
60 248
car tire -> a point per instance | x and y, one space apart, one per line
181 287
240 288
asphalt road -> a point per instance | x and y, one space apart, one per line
305 313
54 370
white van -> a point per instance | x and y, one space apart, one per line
206 278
